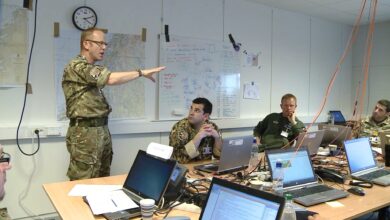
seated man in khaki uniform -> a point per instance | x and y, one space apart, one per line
377 122
196 137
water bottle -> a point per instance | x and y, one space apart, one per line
277 178
289 211
254 155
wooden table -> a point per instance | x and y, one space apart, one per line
73 207
353 206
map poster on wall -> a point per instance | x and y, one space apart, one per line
124 52
198 68
13 44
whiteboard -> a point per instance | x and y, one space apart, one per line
198 68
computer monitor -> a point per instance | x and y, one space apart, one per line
337 117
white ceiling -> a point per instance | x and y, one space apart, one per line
341 11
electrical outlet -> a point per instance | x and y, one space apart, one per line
41 132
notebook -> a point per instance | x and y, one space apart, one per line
384 137
231 201
299 177
337 117
148 178
334 134
311 140
361 162
235 155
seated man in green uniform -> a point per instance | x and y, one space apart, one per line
278 129
377 122
195 137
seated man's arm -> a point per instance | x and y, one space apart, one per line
257 132
184 148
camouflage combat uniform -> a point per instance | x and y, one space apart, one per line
369 128
182 133
4 214
88 139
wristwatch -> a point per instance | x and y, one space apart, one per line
139 73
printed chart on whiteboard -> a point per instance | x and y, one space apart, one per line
198 68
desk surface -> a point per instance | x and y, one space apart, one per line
73 207
351 207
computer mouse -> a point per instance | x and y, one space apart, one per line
356 190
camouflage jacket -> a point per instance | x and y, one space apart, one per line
182 133
369 128
82 84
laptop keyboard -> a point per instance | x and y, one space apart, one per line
308 191
375 174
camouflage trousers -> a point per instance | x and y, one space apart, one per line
4 214
90 150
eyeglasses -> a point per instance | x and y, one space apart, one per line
99 43
5 157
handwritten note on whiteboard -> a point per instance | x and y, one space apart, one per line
198 68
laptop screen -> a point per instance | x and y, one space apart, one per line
227 200
297 165
359 154
149 176
337 116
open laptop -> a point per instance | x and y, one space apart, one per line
235 155
311 140
384 137
148 178
362 164
299 177
334 134
337 117
230 201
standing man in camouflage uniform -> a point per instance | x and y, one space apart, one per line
4 166
278 129
195 137
88 139
377 122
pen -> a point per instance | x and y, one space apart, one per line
114 203
198 173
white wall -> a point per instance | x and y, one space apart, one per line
298 54
379 70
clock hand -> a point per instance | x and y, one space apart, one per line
87 19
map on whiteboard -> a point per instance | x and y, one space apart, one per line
124 52
13 44
198 68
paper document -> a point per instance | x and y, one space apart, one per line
85 189
106 202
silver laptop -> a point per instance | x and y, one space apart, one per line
362 164
299 177
228 200
384 137
334 134
235 155
148 178
311 140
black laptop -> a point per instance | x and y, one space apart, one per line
228 200
299 177
148 177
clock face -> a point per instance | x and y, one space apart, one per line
84 17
